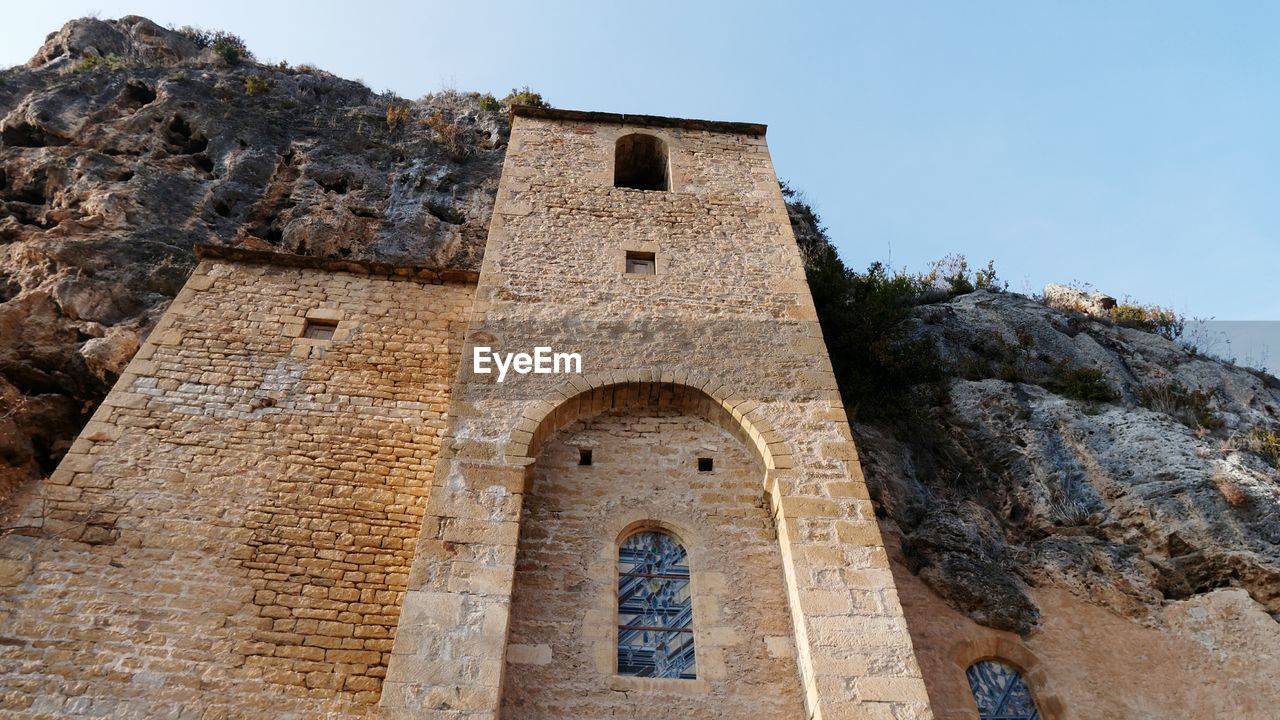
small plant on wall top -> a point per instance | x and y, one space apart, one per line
524 96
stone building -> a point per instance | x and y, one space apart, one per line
302 500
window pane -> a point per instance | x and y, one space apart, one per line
655 611
1000 692
656 654
640 266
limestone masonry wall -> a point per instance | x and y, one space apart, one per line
564 611
231 534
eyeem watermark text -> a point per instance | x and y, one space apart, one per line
542 362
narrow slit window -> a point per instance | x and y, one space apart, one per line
640 162
655 609
1000 692
319 329
641 263
705 464
584 456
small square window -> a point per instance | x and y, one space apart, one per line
584 456
319 329
640 263
705 464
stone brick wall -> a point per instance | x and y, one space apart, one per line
564 610
727 318
231 534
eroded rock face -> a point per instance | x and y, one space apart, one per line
110 175
1004 485
131 38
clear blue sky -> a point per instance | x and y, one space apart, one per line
1133 145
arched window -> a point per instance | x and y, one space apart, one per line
1000 692
640 162
655 611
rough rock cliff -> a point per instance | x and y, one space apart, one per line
124 144
1065 451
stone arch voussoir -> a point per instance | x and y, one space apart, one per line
584 396
1020 657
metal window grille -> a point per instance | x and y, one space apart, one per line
1000 692
655 610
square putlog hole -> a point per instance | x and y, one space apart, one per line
584 456
641 263
705 464
319 329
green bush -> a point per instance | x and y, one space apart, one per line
863 317
231 49
489 103
1265 444
94 62
951 277
256 85
1148 318
1085 384
228 46
524 96
1190 407
199 37
877 362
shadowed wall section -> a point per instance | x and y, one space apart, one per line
644 475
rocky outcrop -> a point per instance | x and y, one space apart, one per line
1065 452
124 144
1073 299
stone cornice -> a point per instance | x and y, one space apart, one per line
716 126
359 267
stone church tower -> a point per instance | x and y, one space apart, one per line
711 351
303 500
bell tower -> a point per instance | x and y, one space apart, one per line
682 526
